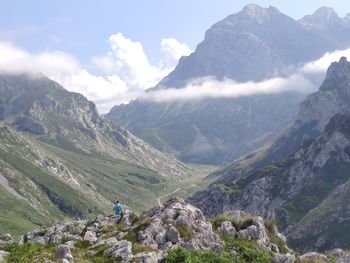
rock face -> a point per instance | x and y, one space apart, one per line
252 45
306 191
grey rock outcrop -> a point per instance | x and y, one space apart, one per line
147 257
5 238
122 249
283 258
226 229
64 254
178 223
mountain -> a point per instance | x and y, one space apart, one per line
314 114
173 232
59 158
326 22
307 190
253 45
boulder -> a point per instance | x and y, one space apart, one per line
283 258
70 244
90 236
122 249
172 235
63 253
5 238
226 229
147 257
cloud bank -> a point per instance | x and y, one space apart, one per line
306 80
209 87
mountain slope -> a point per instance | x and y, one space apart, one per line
307 191
59 158
314 114
252 45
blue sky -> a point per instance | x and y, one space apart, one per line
112 50
82 27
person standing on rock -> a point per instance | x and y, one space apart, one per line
119 211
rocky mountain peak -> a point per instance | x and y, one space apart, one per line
322 18
325 13
257 12
338 76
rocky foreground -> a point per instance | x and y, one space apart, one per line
173 232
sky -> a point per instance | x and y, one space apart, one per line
109 50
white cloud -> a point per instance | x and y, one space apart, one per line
175 48
125 70
127 60
212 88
306 80
321 65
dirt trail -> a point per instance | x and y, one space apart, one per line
159 203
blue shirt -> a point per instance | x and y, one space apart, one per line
118 208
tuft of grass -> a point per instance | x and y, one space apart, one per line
138 248
82 244
185 233
271 227
111 228
177 214
134 218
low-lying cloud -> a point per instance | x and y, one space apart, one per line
210 87
305 80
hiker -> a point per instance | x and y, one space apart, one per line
119 211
